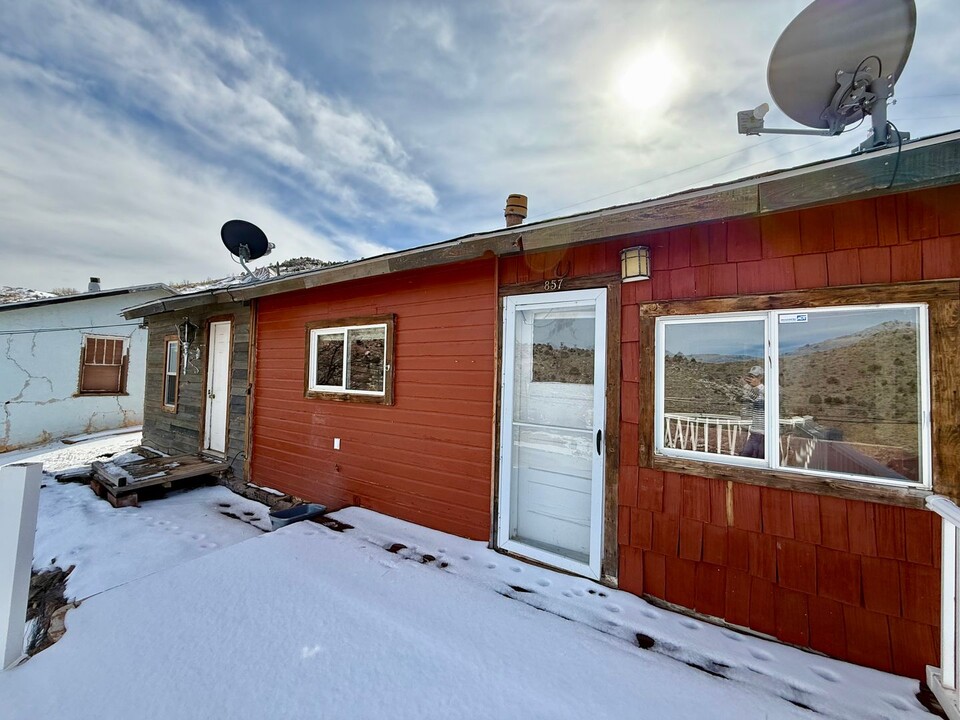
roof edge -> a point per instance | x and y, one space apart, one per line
87 296
927 162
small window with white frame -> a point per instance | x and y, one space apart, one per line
839 392
351 360
171 372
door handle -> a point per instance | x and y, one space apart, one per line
599 441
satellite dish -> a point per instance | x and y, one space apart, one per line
836 62
246 241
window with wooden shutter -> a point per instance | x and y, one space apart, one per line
103 366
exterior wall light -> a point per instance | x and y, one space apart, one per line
635 264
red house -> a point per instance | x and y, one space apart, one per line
749 434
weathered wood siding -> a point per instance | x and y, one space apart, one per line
857 580
427 457
181 432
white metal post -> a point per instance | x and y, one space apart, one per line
19 500
948 606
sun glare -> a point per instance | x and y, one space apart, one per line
650 79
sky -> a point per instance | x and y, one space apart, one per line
746 336
131 130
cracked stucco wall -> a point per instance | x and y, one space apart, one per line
40 369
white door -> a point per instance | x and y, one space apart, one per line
218 397
550 505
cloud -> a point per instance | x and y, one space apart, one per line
86 195
226 90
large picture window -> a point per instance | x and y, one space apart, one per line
840 391
351 359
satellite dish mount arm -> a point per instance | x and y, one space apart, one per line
243 255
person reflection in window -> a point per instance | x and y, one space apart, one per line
753 397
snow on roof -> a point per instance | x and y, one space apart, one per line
10 294
45 298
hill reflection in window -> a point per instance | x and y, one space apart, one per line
850 392
563 350
367 348
708 404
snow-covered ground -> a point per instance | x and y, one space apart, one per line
110 546
386 619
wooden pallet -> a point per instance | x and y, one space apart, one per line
120 485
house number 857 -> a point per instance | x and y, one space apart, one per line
553 284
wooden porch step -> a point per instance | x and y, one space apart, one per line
119 485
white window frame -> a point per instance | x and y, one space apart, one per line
771 363
168 376
343 331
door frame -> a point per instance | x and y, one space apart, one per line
600 297
202 420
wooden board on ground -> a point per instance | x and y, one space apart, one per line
119 485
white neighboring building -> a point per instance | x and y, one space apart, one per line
72 364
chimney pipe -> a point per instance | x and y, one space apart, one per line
516 209
93 285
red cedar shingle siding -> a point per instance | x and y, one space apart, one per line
853 579
426 458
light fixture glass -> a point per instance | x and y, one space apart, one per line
635 263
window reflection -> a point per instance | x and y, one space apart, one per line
563 350
714 387
849 392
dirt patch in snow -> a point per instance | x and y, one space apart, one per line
47 607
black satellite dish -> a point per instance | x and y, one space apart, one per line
835 63
246 241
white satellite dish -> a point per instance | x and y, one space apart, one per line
837 62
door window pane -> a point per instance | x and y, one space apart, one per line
850 392
714 392
367 347
554 367
563 349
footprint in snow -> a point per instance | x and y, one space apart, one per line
690 624
490 566
578 592
309 532
516 568
760 654
731 635
828 675
567 593
650 613
210 545
464 557
198 536
441 550
612 608
543 582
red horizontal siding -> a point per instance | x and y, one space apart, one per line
426 458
